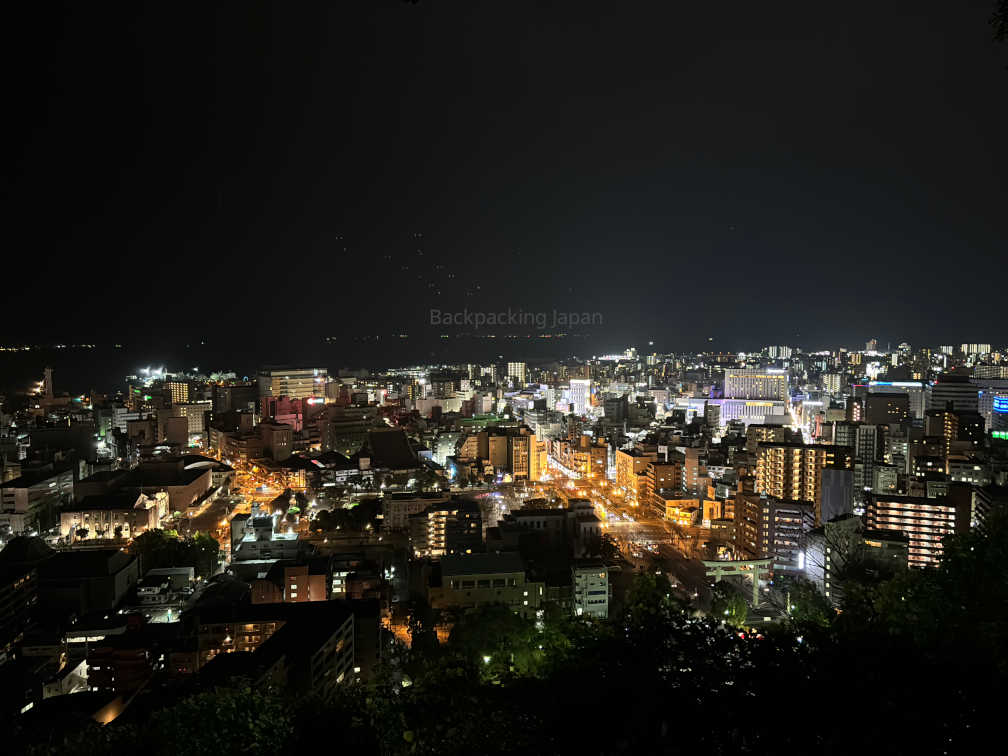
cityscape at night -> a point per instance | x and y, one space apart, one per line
533 378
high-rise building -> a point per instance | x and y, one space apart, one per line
756 383
943 424
516 371
975 349
844 539
294 383
914 390
999 414
868 444
924 521
832 382
991 371
782 528
454 527
631 473
580 395
177 391
955 389
793 472
884 408
836 492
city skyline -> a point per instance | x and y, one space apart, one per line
461 377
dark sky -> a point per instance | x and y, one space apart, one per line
753 172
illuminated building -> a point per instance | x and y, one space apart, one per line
195 414
590 585
580 395
662 477
855 409
757 433
516 371
177 391
453 527
868 444
971 350
116 515
832 382
793 472
295 383
993 407
262 538
29 502
925 522
631 472
943 424
756 383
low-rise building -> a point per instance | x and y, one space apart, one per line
119 515
471 580
590 586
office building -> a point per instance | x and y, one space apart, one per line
885 408
915 392
955 392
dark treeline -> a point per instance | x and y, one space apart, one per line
915 664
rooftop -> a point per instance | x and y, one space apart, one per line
107 501
482 564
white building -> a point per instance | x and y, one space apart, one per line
580 395
590 583
294 383
263 537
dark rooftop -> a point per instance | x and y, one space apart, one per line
482 564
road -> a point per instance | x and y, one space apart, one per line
645 540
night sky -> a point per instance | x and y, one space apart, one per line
752 172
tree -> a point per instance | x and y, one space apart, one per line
728 604
495 639
806 605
